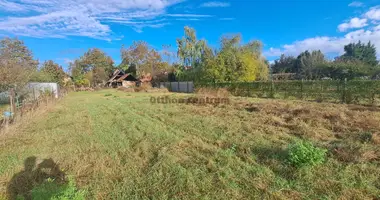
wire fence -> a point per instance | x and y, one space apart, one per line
14 105
355 91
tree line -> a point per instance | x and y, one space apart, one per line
195 60
359 61
18 67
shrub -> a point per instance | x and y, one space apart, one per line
52 190
303 153
108 95
366 137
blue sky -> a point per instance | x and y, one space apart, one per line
63 30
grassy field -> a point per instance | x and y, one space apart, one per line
118 145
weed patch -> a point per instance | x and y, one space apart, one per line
303 154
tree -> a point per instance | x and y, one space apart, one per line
307 64
16 63
190 49
142 60
54 72
236 62
345 69
286 64
360 52
94 63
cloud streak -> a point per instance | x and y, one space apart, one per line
215 4
356 4
353 23
60 19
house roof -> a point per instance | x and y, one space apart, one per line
123 77
116 73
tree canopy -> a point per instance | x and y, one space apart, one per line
16 63
234 61
141 60
365 53
358 61
93 68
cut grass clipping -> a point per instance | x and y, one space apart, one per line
304 154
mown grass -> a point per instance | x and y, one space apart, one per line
121 146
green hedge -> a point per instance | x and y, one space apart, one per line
358 91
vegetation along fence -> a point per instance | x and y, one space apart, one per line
16 104
355 91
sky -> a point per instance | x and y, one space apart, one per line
62 30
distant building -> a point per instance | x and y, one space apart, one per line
120 78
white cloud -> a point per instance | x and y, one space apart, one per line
215 4
356 4
353 23
373 13
11 6
369 32
59 19
138 28
328 45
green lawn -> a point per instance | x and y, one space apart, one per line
118 145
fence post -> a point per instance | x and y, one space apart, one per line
12 101
187 85
179 89
271 89
250 86
301 88
34 94
170 86
344 91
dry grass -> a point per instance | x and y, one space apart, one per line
145 87
321 121
128 148
124 89
213 93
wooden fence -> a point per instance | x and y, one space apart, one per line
19 107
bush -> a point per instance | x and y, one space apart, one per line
366 137
54 191
303 153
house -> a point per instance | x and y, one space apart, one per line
120 78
